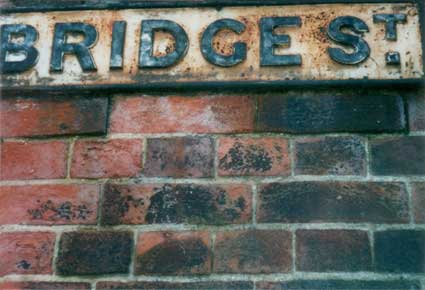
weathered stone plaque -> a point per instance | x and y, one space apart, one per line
203 45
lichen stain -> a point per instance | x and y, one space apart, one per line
246 158
52 211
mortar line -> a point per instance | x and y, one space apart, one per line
216 161
294 251
69 157
292 155
56 252
410 201
254 203
133 254
368 158
219 180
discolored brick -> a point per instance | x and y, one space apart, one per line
220 114
49 116
333 251
37 285
253 252
266 156
339 285
49 204
33 159
333 111
176 203
26 252
418 202
330 156
416 107
107 158
180 157
400 251
94 253
173 253
230 285
403 155
332 201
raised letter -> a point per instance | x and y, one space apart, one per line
361 48
146 57
117 47
25 47
239 48
80 49
269 41
391 21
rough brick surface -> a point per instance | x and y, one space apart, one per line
49 204
416 106
89 253
35 285
400 251
33 160
231 285
330 156
107 158
173 253
398 155
223 114
52 116
335 112
322 201
176 203
180 157
253 251
418 202
333 251
267 156
339 285
26 252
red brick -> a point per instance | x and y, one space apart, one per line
253 252
49 204
52 116
180 157
33 160
418 201
266 156
333 250
207 285
177 203
37 285
222 114
173 253
107 158
26 253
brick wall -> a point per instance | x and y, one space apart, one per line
303 189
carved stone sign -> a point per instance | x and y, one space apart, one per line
145 47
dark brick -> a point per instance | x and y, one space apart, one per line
418 201
30 285
416 107
333 250
173 253
339 285
400 251
330 155
180 157
52 116
398 155
253 251
231 285
176 203
323 201
85 253
333 112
